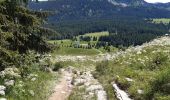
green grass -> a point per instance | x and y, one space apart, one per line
161 20
97 34
65 49
68 41
64 42
79 93
143 68
75 51
41 87
81 66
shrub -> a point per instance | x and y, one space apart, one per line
57 66
102 67
158 60
25 70
123 83
161 84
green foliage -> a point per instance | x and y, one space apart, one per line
122 83
20 41
7 58
102 67
25 62
77 94
20 28
149 70
75 51
57 66
161 84
26 88
158 60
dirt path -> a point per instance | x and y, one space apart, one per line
62 89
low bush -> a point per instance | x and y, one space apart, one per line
102 67
123 83
57 66
161 84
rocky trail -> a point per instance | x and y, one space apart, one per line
63 88
92 87
74 78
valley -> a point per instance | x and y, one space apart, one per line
84 50
82 45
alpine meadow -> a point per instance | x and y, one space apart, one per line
84 50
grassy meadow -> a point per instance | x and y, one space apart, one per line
97 34
75 51
161 20
65 47
64 42
68 41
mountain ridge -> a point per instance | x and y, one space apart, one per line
85 9
127 2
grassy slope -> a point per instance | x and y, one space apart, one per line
75 51
40 88
143 68
97 34
66 50
163 20
67 41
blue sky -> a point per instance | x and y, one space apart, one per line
150 1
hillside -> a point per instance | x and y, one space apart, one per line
138 73
90 9
129 18
141 71
163 6
96 50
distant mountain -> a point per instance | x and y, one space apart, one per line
163 6
128 2
65 10
125 17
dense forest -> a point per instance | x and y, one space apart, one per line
124 32
70 19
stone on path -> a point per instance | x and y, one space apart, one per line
120 94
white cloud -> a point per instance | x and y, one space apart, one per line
42 0
155 1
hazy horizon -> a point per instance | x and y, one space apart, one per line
149 1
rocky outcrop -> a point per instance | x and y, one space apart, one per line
91 85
